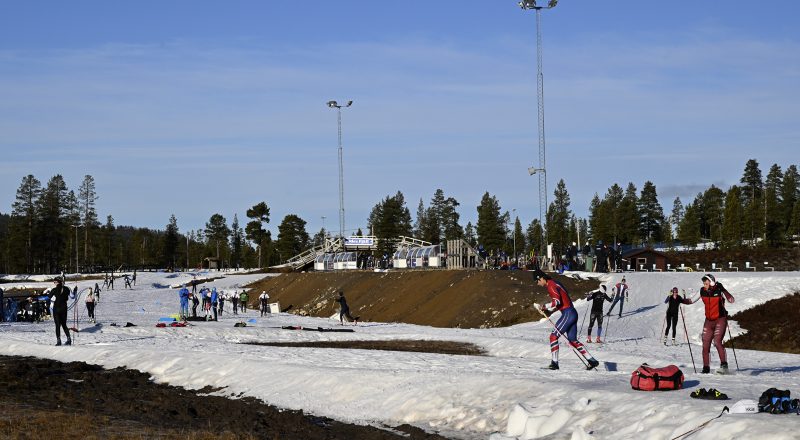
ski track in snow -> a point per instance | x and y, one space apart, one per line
506 395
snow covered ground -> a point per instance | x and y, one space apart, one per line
506 395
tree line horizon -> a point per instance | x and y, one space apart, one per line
49 222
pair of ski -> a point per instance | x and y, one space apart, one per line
586 362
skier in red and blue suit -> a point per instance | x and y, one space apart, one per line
567 324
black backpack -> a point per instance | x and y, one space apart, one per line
775 401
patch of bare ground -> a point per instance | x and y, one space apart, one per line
438 298
417 346
43 399
772 326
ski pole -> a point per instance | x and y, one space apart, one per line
580 331
730 339
663 323
685 332
574 350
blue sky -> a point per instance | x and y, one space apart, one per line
196 108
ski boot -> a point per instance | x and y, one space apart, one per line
592 364
673 342
69 342
705 369
553 365
664 340
723 368
589 339
598 340
58 342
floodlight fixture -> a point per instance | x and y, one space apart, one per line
534 170
531 4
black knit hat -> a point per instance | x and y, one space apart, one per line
538 274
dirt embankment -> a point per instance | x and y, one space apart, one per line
772 326
439 298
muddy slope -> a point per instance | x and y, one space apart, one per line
439 298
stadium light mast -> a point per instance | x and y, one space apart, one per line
334 104
528 5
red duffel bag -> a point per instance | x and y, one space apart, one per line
647 378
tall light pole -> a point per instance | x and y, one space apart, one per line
528 5
334 104
76 246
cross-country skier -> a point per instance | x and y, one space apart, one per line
567 324
675 302
183 295
195 303
243 297
61 294
90 303
620 291
235 301
263 300
714 295
344 309
214 301
597 297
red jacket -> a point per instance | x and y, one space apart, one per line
558 295
714 300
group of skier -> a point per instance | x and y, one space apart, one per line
213 302
713 294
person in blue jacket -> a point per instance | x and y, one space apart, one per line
214 301
183 294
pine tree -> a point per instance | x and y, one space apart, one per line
469 235
558 217
255 232
171 239
677 212
237 242
752 199
23 218
597 220
109 238
775 228
53 226
651 215
794 224
449 218
732 221
217 231
712 214
88 199
292 237
390 219
627 217
533 237
491 228
689 228
518 239
789 194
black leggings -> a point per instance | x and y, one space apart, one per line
672 319
60 318
599 318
